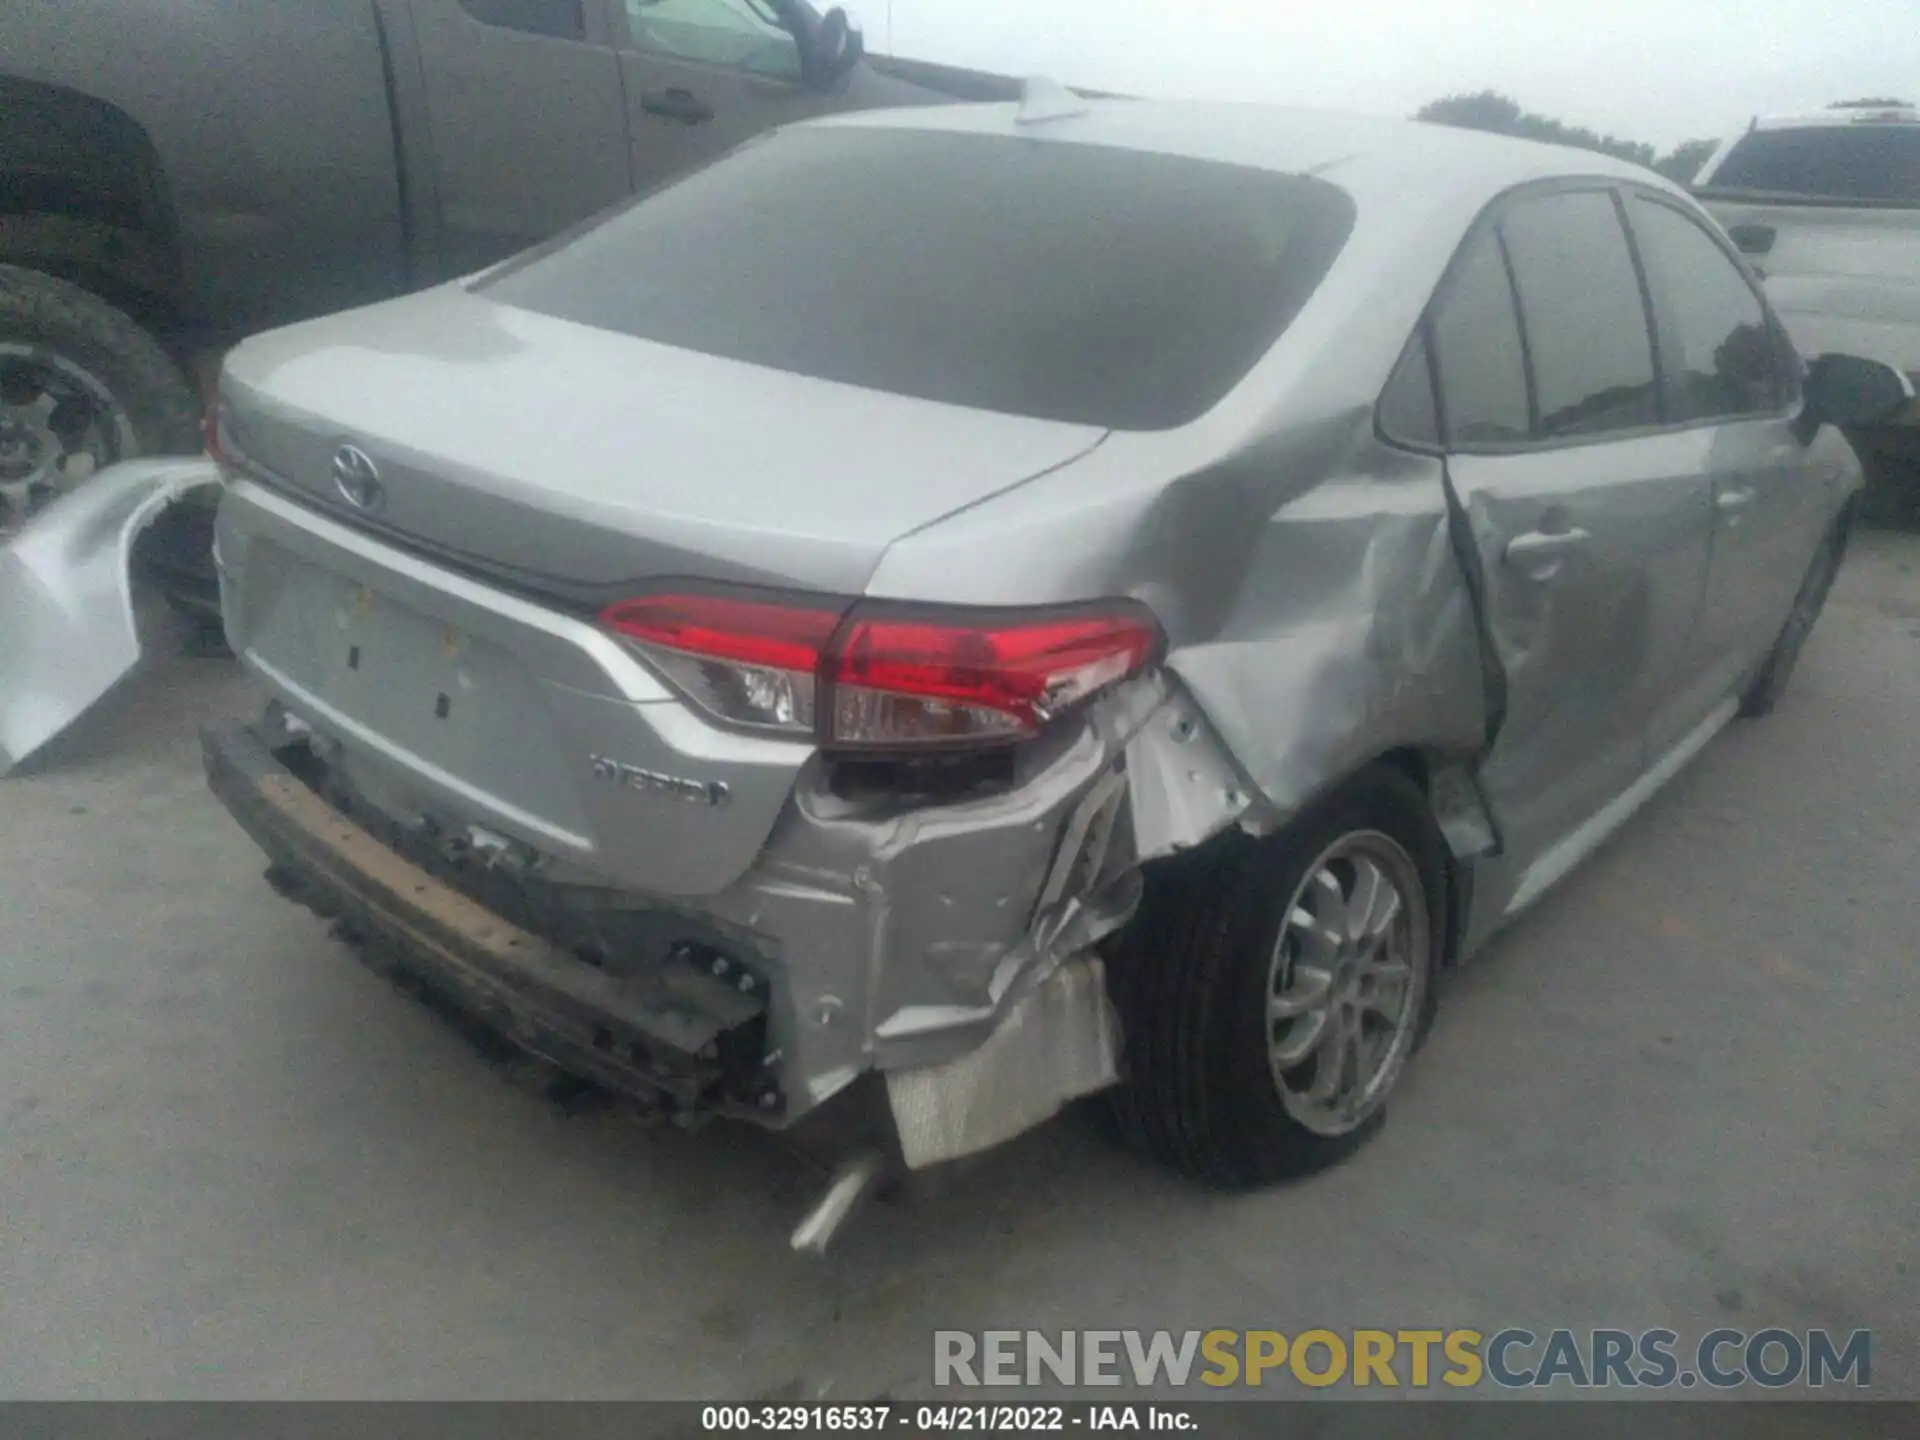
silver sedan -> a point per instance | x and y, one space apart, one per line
945 612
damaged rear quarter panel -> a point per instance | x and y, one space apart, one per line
1312 598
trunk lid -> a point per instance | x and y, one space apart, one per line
524 461
576 461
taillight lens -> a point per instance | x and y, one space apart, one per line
895 680
886 677
748 661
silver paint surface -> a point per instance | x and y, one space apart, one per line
67 629
1329 600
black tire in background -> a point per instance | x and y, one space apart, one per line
160 405
1891 460
175 556
156 396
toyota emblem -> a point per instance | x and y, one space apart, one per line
355 477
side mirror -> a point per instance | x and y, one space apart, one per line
833 48
1845 390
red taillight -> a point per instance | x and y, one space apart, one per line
898 680
751 632
886 676
749 661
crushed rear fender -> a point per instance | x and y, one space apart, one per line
66 594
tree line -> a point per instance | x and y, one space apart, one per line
1490 110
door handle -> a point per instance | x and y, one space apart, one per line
676 104
1730 504
1753 239
1540 554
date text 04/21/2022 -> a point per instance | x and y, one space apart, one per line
925 1419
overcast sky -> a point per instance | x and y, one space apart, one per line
1655 70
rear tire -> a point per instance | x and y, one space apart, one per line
1210 979
1771 683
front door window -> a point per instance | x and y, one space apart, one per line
740 34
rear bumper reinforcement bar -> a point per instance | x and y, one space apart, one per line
646 1040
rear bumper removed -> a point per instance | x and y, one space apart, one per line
68 632
704 1032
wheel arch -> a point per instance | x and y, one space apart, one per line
1451 794
84 197
1459 813
1179 970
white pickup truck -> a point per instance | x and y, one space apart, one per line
1827 208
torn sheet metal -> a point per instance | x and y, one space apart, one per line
67 628
973 905
1304 571
1182 785
1352 634
1061 1042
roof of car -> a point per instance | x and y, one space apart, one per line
1846 115
1364 154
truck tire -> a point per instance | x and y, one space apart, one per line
65 352
81 386
1216 977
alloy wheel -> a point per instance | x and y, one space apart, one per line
1347 982
58 425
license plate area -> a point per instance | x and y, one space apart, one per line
434 698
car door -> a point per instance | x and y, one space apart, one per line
1732 380
1588 520
703 75
528 120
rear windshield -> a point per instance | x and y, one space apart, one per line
1833 162
1055 280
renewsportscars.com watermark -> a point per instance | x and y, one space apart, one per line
1772 1359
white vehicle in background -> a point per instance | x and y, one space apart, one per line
1827 208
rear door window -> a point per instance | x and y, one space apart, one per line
1406 407
1827 162
1584 315
1477 350
1057 280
